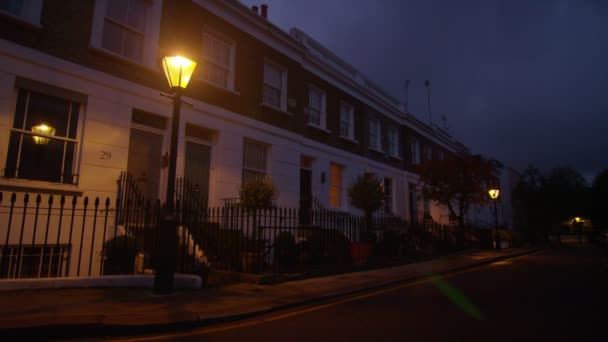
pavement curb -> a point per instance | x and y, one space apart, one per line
193 320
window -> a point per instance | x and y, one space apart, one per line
415 151
43 139
128 28
218 60
388 195
335 185
316 107
254 159
374 134
393 142
347 121
34 261
440 155
124 27
275 86
28 10
428 152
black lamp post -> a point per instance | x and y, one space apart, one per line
178 71
494 196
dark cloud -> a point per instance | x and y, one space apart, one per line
523 81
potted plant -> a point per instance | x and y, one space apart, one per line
202 268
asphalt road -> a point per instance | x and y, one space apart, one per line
557 295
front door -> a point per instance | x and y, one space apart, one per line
305 195
198 162
144 161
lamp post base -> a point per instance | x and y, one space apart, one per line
166 256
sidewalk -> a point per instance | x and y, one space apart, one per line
113 311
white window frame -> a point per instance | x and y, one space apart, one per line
151 33
347 108
393 141
415 151
244 168
377 144
283 90
322 111
78 141
209 33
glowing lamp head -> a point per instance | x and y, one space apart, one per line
42 129
178 70
493 193
577 219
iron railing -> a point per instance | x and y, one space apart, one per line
45 235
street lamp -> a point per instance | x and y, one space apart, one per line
494 193
178 71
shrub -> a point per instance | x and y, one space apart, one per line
286 252
326 246
366 193
258 192
119 255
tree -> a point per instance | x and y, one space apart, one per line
458 182
366 193
598 200
548 202
258 192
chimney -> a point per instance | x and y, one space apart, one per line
265 11
255 9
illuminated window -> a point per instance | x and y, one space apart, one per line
335 185
43 140
275 86
218 60
316 106
254 159
374 134
347 121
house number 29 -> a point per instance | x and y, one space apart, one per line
105 154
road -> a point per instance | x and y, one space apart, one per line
558 295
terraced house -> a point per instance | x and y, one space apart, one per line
80 103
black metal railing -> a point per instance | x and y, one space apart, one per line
43 235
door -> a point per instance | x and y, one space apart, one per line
198 163
145 150
305 195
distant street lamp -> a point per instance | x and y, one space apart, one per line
494 193
178 71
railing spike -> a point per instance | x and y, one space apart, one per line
38 199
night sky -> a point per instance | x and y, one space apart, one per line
524 81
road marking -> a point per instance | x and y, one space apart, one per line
280 316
